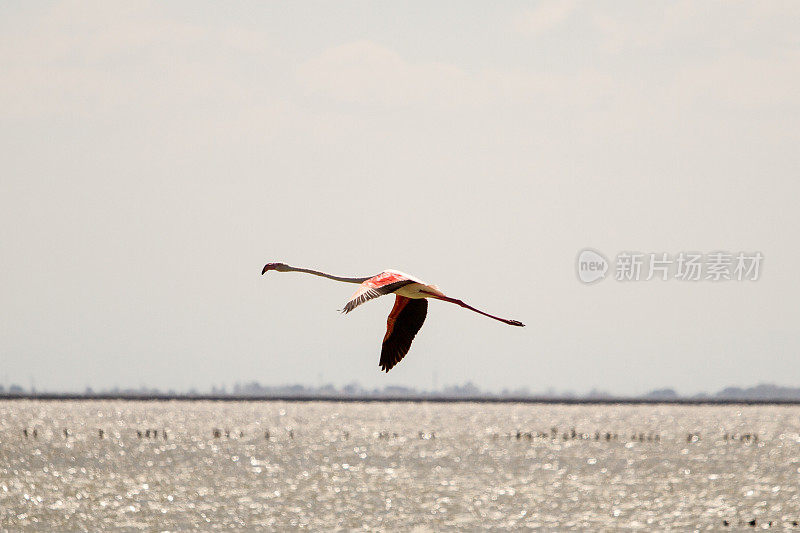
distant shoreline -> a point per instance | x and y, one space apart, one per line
392 399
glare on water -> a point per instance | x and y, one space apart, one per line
402 466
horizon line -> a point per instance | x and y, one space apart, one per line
415 398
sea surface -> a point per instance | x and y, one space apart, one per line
321 466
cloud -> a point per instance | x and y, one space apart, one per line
547 15
691 30
92 59
367 73
741 81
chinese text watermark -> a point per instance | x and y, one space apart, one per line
592 266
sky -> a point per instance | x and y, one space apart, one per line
155 155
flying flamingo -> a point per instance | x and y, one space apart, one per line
408 313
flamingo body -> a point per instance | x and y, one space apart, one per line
408 313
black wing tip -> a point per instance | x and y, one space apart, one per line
516 323
389 363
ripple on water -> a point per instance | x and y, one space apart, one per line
395 466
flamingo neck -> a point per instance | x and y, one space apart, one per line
324 275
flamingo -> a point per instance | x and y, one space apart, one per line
408 313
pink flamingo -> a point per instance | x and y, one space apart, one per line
408 313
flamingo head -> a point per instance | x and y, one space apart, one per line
280 267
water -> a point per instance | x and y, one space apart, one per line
398 466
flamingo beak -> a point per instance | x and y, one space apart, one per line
268 266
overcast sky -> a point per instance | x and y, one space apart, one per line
154 155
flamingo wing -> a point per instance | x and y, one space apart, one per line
404 322
383 283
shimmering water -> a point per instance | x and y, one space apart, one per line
398 466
